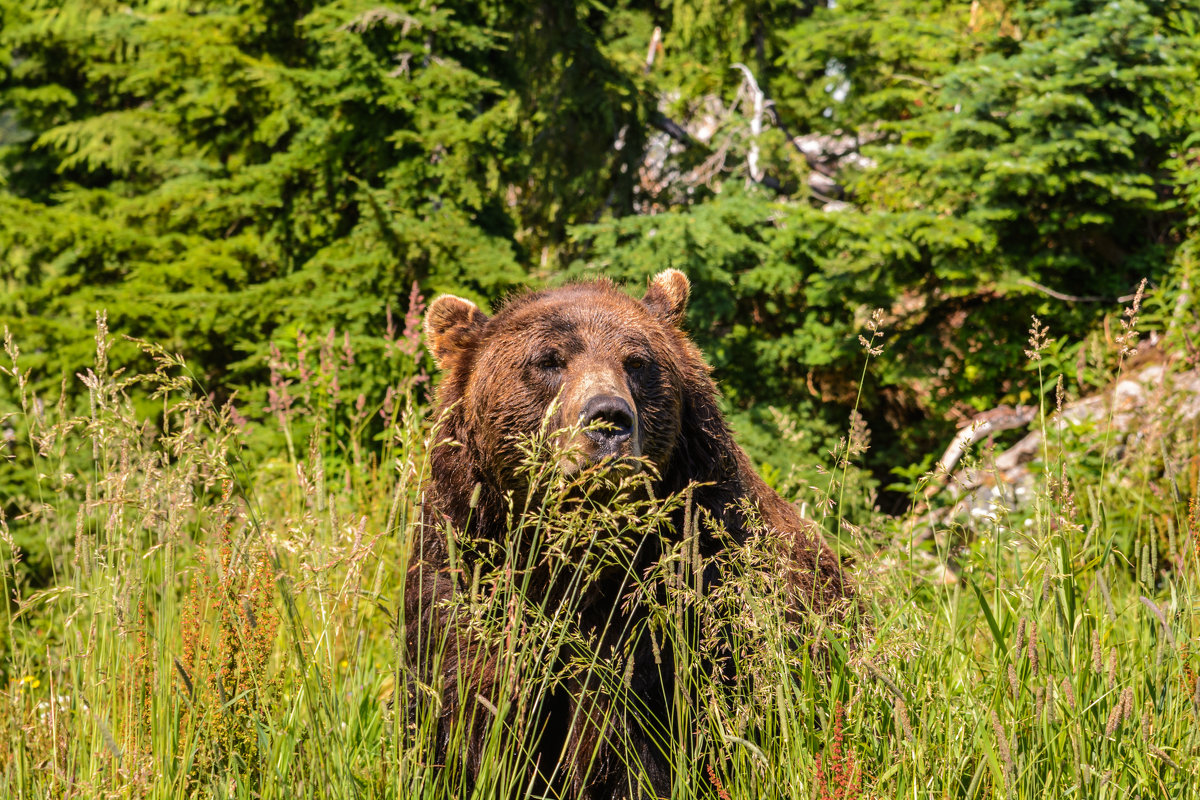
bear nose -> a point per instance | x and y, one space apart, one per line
613 411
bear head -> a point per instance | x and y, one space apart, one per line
617 370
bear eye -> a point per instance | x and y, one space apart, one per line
550 362
634 363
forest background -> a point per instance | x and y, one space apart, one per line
272 190
226 179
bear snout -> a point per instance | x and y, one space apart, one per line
612 418
611 429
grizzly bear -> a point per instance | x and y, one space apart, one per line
636 396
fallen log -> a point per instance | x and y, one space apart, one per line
1126 406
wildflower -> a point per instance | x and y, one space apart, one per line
716 782
410 341
845 781
302 356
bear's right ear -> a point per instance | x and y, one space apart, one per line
452 325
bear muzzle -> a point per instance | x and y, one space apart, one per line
608 422
610 433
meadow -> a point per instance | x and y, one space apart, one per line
207 513
221 625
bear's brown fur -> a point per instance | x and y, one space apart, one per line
597 356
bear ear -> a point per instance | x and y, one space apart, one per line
452 325
668 295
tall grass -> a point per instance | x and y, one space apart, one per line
220 631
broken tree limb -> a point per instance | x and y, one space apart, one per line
1069 298
672 128
655 46
759 99
1128 405
981 426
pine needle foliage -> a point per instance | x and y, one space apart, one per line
222 177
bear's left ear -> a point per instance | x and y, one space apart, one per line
668 295
452 325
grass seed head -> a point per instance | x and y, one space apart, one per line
1068 692
1038 334
902 719
1033 647
1002 744
1127 339
1114 720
